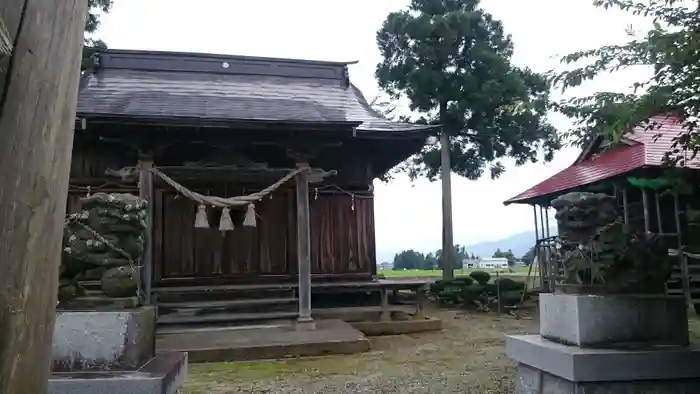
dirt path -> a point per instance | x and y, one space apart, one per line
466 357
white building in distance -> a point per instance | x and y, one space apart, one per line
486 263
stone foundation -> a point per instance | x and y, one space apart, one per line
613 344
164 374
614 320
545 367
122 340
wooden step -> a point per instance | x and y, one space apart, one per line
351 310
179 318
223 293
695 293
223 288
226 303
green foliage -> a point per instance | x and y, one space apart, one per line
92 24
529 256
505 255
411 259
451 59
481 277
670 48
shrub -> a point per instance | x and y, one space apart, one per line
508 284
466 280
472 292
450 294
481 277
490 289
511 297
437 287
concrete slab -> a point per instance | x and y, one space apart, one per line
576 364
241 344
398 327
103 340
614 320
164 374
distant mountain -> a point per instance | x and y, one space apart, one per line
519 243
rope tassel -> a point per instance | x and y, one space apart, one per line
226 224
249 220
201 220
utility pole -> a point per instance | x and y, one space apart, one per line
39 76
448 250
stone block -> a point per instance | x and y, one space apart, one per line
120 340
614 320
164 374
579 365
533 381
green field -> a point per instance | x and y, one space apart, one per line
519 274
518 271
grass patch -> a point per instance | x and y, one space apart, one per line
270 369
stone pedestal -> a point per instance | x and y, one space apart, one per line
103 340
607 345
112 352
614 320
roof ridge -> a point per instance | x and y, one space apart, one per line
221 56
220 64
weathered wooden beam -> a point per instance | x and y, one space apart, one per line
146 193
303 244
38 93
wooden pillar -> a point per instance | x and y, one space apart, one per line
38 91
146 193
303 243
448 250
386 313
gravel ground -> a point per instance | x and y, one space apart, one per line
467 356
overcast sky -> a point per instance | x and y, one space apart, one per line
407 215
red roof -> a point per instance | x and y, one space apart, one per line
647 148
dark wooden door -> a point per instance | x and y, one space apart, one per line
245 254
342 235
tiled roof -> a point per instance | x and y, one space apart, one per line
219 88
647 147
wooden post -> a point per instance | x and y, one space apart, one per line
38 93
683 258
303 244
421 302
645 205
448 255
146 193
386 313
626 210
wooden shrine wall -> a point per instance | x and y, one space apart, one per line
342 239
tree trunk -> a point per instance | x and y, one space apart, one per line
38 92
448 250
